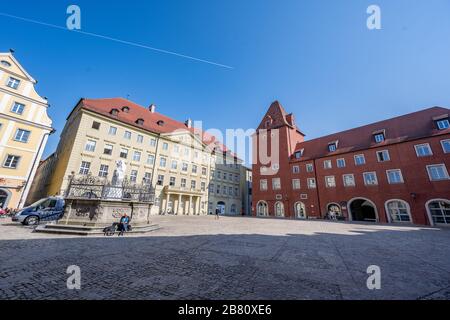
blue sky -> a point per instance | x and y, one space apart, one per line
316 57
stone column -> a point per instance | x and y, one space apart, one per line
179 204
197 206
190 205
167 202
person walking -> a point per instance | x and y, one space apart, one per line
217 214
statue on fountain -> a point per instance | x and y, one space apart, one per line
115 191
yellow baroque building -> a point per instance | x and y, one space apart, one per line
191 171
24 131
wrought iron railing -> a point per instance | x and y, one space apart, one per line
91 187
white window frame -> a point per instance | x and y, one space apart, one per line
16 107
327 184
365 181
127 135
263 182
162 162
296 169
137 156
150 159
442 144
90 146
356 156
325 162
103 172
23 134
383 152
309 167
112 131
296 184
83 169
312 184
345 182
436 165
443 120
13 83
341 160
12 160
108 147
274 184
395 170
421 145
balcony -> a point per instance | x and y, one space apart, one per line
183 190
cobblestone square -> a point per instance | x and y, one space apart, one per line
230 258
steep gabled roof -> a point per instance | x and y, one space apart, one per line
19 66
151 119
278 117
399 129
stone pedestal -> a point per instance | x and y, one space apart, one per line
102 212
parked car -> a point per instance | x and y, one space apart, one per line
47 209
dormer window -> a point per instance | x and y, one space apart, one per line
160 123
379 137
332 146
140 122
298 154
126 109
114 112
443 124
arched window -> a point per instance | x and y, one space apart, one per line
233 208
262 209
439 211
114 112
126 109
4 198
398 211
140 122
334 211
300 210
279 209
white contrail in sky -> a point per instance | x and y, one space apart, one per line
116 40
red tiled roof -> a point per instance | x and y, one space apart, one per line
400 129
151 119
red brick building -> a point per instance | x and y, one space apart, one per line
390 171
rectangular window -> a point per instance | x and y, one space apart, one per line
162 162
340 163
103 172
379 137
108 150
176 149
18 108
90 146
443 124
124 153
137 156
193 185
184 167
211 187
423 150
295 169
437 172
147 178
174 165
150 159
183 183
218 189
327 164
112 131
311 183
84 168
140 138
160 181
203 186
296 184
22 135
298 154
446 146
383 156
11 161
127 135
360 160
370 179
309 167
152 142
194 169
95 125
332 147
172 181
165 146
230 191
263 185
394 176
276 184
224 190
349 180
330 182
204 171
133 176
13 83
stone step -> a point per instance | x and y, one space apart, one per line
85 231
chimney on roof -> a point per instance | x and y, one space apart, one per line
152 108
188 123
